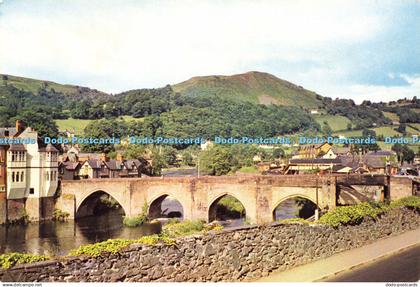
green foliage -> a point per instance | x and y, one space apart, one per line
410 202
12 259
187 227
216 160
232 204
350 215
59 215
139 219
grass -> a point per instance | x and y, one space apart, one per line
386 131
76 125
337 123
392 116
252 87
249 169
32 85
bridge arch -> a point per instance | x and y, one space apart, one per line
82 202
155 206
292 196
212 205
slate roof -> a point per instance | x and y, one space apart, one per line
12 132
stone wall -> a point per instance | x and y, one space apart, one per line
228 255
401 187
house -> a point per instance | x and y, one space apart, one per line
312 151
114 168
69 170
29 168
379 162
302 165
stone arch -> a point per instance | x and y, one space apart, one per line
156 202
214 200
274 207
85 197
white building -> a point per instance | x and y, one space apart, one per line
32 169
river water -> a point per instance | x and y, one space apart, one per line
58 238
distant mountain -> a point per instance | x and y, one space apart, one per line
33 85
256 87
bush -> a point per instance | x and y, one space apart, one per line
115 245
187 227
59 215
139 219
350 215
232 204
11 259
410 202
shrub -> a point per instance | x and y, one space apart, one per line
410 202
11 259
139 219
59 215
188 227
350 215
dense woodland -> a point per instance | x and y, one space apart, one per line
170 114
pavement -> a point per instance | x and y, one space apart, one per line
346 260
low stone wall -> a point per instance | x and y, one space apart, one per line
229 255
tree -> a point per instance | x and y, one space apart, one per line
187 158
398 149
169 155
39 121
401 128
408 155
216 161
278 153
368 133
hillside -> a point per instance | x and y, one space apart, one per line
254 87
33 85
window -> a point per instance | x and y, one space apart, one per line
13 176
21 176
47 176
31 190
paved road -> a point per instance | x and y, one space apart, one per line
362 257
401 267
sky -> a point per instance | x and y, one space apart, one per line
358 49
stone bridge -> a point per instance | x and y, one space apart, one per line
260 195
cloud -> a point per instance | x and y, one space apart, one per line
377 93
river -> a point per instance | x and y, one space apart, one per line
58 238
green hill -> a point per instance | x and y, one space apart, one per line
32 85
254 87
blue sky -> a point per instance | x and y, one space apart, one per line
364 50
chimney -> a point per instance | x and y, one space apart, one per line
120 157
104 157
20 126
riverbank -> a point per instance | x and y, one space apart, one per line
236 254
322 270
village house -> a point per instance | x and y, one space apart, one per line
28 169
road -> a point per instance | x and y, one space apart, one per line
401 267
